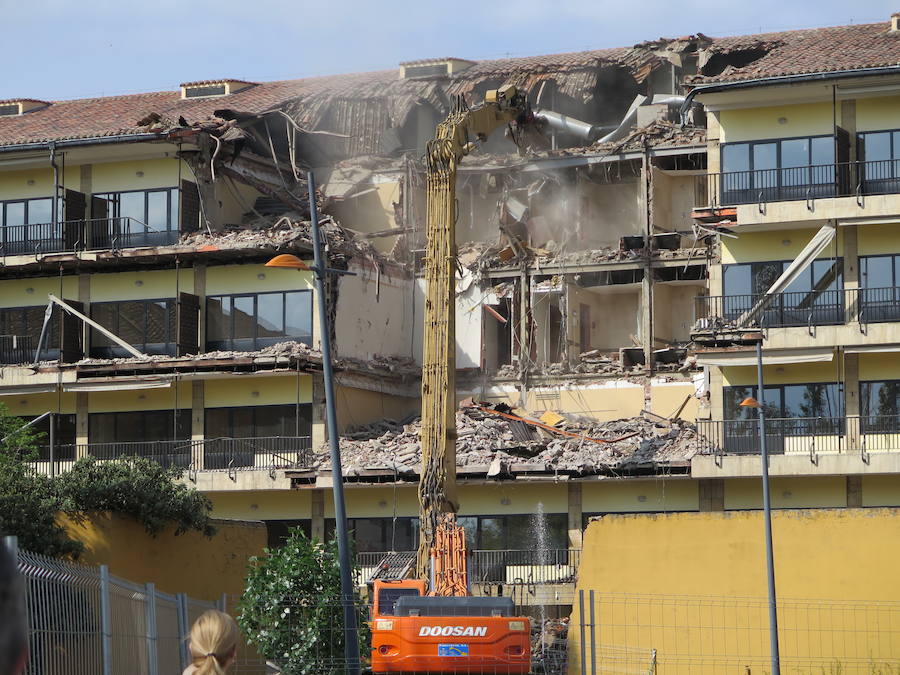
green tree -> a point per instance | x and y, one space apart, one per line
291 608
133 486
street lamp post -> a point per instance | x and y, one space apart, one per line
320 270
767 510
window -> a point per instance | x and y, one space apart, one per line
277 531
136 427
772 170
265 421
136 218
63 436
380 535
251 322
815 297
513 531
28 223
879 152
208 90
879 296
791 410
25 324
148 325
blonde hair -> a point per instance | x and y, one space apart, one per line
214 637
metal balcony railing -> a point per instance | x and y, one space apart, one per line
800 183
859 434
15 349
214 454
813 308
81 235
507 567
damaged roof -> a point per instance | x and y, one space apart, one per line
798 52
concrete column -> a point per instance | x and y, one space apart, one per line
712 494
318 515
81 424
84 297
200 292
198 422
851 400
647 283
575 516
854 492
851 272
319 435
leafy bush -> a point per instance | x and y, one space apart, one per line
291 609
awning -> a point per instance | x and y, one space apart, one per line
28 389
118 385
770 358
872 349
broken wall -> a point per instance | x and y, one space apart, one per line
369 207
673 199
375 314
614 313
469 322
673 309
608 212
357 407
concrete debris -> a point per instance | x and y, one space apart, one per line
496 446
282 349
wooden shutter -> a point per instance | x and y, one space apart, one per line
74 206
844 172
71 331
189 207
187 324
97 231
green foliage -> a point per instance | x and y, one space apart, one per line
291 607
132 486
136 487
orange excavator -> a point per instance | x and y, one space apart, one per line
432 623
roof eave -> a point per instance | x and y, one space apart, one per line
75 142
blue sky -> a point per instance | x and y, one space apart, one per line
61 49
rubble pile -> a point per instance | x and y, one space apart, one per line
501 445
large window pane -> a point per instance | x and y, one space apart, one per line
242 423
244 322
735 157
158 210
15 214
822 151
131 321
40 211
298 305
158 322
218 423
103 313
270 314
876 146
218 319
491 534
131 205
764 275
879 398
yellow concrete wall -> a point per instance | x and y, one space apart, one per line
750 124
141 399
777 245
795 373
667 397
788 493
881 490
191 563
510 498
224 279
610 401
878 239
262 505
36 404
627 496
362 406
673 310
879 367
692 586
376 502
877 114
252 391
144 285
620 301
371 212
33 291
119 176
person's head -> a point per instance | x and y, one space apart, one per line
13 635
214 637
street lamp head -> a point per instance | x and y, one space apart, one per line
750 402
289 261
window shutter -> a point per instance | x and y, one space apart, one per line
189 207
187 324
74 205
97 231
71 331
842 159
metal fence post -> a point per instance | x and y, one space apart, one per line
581 626
105 620
12 545
593 636
152 654
182 611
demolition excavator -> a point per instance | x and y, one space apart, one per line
432 623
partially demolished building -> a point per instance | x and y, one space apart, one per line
589 257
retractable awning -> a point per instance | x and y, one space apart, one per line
118 385
770 358
872 349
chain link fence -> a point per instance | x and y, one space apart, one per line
700 635
82 620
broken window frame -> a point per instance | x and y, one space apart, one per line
290 312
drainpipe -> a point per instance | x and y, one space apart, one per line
55 205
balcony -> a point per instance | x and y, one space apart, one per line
715 313
214 454
803 435
17 349
806 183
81 235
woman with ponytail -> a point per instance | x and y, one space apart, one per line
213 644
